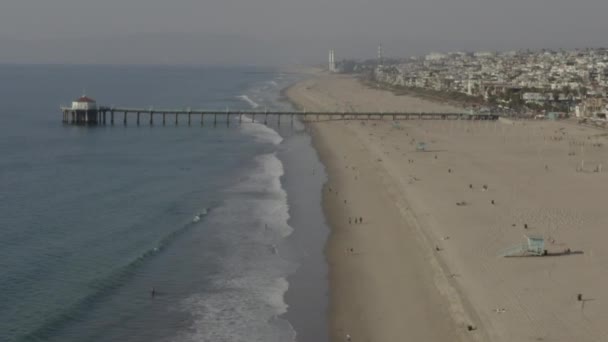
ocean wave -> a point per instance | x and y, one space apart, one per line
260 195
105 285
245 298
260 132
244 309
252 103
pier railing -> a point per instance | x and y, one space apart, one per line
115 115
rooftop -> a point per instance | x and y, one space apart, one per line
85 99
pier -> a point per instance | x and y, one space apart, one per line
115 115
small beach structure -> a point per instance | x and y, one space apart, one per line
83 111
534 246
421 147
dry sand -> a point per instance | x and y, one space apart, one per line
422 268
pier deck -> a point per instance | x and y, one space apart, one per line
112 115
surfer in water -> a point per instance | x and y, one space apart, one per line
152 293
273 249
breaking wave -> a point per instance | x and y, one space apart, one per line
252 103
245 298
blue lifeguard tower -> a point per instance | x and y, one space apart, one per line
534 246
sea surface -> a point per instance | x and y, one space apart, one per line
224 223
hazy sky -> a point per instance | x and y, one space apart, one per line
285 31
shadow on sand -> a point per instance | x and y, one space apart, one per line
548 254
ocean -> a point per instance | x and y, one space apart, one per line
224 223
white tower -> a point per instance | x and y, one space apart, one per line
380 57
332 60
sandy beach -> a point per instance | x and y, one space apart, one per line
426 263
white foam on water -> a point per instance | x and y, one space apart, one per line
246 295
270 202
260 132
244 310
246 98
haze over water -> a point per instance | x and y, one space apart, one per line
93 218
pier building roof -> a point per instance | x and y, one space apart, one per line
85 99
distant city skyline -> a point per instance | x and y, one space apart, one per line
270 32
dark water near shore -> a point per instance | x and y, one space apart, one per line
224 223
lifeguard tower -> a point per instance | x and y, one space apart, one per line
534 246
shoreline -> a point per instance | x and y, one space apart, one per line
412 229
335 251
306 295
